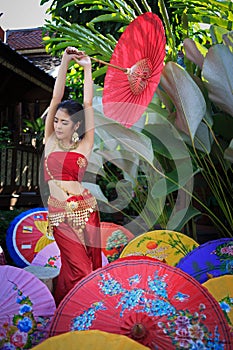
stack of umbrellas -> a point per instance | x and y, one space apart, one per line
143 296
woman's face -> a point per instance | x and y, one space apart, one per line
63 126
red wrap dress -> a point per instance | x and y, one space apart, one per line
75 222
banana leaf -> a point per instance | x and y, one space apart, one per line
129 139
124 160
178 220
165 140
217 74
186 96
228 154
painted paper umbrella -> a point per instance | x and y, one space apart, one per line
139 53
26 309
222 290
113 239
86 340
211 259
151 302
27 235
49 256
165 245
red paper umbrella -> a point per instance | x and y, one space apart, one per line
156 304
114 238
140 51
26 309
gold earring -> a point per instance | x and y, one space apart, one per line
75 137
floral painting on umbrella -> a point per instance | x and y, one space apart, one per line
165 245
114 238
26 309
210 259
224 252
222 290
115 244
149 301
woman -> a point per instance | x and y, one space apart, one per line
73 213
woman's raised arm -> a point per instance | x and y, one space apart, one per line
87 101
58 90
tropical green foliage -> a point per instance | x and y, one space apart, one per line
185 133
36 128
210 12
203 106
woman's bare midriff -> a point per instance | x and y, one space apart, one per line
73 187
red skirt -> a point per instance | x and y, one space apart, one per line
76 229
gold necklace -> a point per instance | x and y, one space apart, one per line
74 145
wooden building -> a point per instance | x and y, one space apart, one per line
26 86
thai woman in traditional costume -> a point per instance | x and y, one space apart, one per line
73 213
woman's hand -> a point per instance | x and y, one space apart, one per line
78 56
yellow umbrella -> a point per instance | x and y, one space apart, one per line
222 290
165 245
92 339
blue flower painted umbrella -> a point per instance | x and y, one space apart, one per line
26 309
149 301
211 259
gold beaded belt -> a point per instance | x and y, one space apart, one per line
80 204
76 212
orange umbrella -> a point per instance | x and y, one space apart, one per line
167 246
93 339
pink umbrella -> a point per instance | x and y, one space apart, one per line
26 309
49 256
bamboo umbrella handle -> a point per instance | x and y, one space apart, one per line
125 70
71 50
